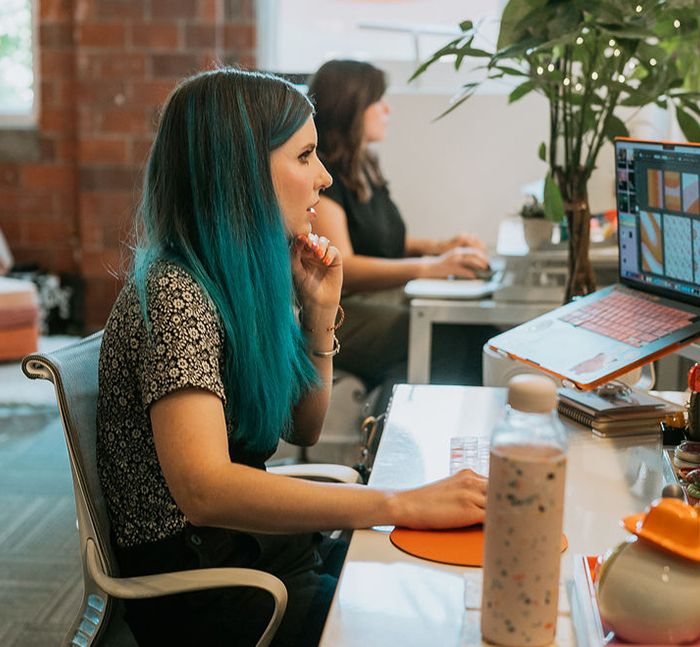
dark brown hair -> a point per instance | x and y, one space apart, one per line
342 91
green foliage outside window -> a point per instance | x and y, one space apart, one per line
16 72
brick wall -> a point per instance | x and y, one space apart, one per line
68 189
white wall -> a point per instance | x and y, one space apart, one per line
464 172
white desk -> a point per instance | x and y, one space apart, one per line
386 597
426 312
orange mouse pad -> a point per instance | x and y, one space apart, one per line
460 546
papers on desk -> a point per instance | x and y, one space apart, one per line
629 413
450 288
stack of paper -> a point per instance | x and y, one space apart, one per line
622 413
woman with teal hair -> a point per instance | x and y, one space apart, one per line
221 342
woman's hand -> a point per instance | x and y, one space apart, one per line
462 262
461 240
317 270
459 500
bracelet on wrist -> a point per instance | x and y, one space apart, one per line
339 319
328 353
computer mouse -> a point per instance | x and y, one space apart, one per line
486 274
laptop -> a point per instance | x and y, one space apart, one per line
654 309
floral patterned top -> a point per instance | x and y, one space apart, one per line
184 349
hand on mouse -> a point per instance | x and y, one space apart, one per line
460 240
461 262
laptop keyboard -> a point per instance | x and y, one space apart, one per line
628 318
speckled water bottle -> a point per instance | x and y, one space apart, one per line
524 516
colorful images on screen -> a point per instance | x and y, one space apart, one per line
696 249
655 188
672 190
678 247
691 204
652 245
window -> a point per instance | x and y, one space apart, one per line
16 62
299 35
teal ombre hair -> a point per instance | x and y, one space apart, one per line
209 206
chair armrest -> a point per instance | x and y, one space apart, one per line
152 586
318 471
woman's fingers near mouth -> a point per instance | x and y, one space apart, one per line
322 248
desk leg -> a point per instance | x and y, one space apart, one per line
420 341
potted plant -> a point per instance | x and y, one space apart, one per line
537 228
588 58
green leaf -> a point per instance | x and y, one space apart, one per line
467 90
521 91
466 25
512 18
688 124
542 152
616 128
553 202
509 71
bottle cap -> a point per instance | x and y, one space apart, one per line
532 393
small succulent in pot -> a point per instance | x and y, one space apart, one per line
533 208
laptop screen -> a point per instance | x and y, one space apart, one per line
658 210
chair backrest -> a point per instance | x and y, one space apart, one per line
74 372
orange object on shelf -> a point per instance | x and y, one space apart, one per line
670 524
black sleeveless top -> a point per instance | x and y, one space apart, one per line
376 227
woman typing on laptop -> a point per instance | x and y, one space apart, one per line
358 214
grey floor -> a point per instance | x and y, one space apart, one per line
40 582
40 571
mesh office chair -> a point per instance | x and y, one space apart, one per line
73 371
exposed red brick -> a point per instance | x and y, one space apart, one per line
156 35
175 65
140 148
57 258
64 92
100 294
239 37
113 204
61 257
197 36
99 66
98 263
55 35
64 149
55 64
121 120
53 120
9 175
120 8
150 93
210 10
170 8
103 35
10 224
47 146
18 203
65 204
47 92
50 176
55 10
110 151
47 231
105 66
238 10
111 178
96 93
